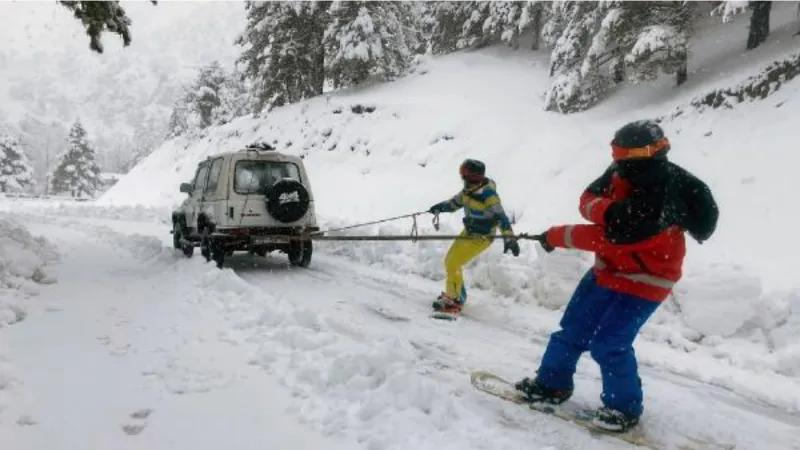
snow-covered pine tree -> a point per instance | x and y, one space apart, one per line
178 119
283 52
76 173
474 24
215 98
653 37
235 99
204 97
98 17
447 20
597 44
367 38
492 22
16 173
577 81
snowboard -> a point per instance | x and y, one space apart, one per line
494 385
443 316
498 387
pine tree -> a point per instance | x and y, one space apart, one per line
580 30
368 38
215 98
16 174
98 17
284 56
447 20
205 95
475 24
76 173
598 44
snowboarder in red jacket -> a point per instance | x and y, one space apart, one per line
639 210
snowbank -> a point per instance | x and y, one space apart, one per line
68 208
23 261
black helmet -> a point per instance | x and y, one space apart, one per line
642 139
472 171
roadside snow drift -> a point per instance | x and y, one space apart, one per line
23 261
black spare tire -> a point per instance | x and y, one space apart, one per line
287 200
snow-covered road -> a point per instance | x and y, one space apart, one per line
137 347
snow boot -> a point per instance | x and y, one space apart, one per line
613 420
446 304
536 393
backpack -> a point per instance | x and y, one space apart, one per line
691 204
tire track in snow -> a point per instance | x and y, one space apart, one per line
133 359
364 379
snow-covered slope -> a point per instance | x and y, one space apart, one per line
394 149
136 347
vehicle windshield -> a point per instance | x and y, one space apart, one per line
254 177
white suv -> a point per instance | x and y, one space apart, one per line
248 200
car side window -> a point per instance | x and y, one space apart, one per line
202 177
213 177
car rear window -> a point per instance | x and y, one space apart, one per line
254 177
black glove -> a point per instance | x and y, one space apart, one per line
510 243
438 208
542 240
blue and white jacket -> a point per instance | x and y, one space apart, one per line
483 211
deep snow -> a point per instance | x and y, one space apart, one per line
140 348
739 293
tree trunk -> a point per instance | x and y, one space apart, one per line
619 71
537 28
759 24
682 74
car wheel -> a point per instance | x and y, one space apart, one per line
205 244
179 242
300 253
218 254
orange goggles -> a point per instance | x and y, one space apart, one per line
648 151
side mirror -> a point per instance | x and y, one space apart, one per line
186 188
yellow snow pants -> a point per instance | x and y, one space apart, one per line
462 252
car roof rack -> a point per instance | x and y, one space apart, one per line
262 146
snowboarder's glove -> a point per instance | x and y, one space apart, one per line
438 208
510 243
542 240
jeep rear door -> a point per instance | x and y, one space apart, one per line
251 178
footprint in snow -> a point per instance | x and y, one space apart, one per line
26 421
138 424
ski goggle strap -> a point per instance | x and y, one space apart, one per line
648 151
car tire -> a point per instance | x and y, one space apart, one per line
300 253
178 241
205 244
287 200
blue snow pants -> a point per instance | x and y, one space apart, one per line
605 323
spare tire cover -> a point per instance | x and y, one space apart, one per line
287 200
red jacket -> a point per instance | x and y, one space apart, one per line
648 269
